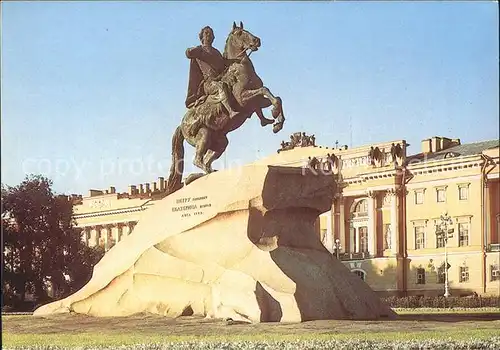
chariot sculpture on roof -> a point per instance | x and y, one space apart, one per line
223 91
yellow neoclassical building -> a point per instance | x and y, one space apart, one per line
385 221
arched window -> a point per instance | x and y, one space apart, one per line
360 273
361 207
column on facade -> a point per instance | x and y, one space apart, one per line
85 236
131 225
97 234
336 222
394 221
358 246
121 231
329 239
372 223
124 229
341 226
106 233
115 231
486 214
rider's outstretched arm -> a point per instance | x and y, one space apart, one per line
194 52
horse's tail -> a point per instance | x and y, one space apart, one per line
177 168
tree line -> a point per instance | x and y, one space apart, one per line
43 253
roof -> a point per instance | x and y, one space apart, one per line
468 149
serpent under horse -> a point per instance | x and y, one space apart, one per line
205 126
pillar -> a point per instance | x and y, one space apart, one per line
352 234
86 235
372 223
486 214
107 244
97 236
121 232
394 222
115 229
131 225
329 238
341 205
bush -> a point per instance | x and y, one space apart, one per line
413 302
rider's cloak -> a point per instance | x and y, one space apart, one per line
195 79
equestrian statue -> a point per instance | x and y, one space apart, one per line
223 91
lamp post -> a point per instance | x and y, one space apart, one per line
446 233
337 248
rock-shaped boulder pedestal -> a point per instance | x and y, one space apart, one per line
237 244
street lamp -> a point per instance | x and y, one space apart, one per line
337 248
446 233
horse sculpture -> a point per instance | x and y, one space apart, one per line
206 125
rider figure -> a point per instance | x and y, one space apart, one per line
206 69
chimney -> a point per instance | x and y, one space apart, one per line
141 189
161 183
94 193
147 189
132 189
435 144
154 186
112 190
426 146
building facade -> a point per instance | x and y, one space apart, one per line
385 220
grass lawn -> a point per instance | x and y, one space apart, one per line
479 310
79 330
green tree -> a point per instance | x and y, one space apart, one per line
41 243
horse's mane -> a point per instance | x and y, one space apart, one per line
226 45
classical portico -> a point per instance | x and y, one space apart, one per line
106 235
366 223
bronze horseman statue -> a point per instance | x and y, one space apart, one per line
223 91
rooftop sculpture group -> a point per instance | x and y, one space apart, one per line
223 91
298 140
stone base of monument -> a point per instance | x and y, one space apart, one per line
236 244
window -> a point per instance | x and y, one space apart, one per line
419 197
463 193
464 274
419 237
463 235
440 239
363 239
420 276
441 195
361 208
440 274
495 273
387 236
360 273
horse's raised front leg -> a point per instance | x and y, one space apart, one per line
263 120
277 110
275 101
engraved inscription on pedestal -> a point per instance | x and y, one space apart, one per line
191 206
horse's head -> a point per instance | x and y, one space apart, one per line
239 42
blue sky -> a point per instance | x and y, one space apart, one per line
92 91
